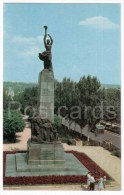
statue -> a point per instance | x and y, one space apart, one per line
46 56
43 131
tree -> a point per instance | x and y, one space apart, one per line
90 97
12 123
112 103
66 96
28 100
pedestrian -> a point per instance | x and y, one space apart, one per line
92 183
104 182
100 183
88 180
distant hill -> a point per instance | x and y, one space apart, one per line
19 87
110 86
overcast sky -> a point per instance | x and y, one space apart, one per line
86 40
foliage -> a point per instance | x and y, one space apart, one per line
66 96
67 136
79 101
112 148
94 101
113 99
25 101
57 121
12 123
18 87
117 153
28 100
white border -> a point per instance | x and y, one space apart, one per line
1 90
122 96
62 1
122 84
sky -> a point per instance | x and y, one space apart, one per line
86 41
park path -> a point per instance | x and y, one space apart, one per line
111 164
21 140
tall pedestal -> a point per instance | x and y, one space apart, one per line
46 94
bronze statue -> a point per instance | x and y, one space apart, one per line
46 56
43 131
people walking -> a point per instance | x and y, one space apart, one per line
92 182
88 180
104 182
100 184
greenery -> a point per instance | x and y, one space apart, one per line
28 100
73 100
68 136
116 152
17 87
76 101
12 123
57 121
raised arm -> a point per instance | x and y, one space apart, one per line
50 39
45 39
45 27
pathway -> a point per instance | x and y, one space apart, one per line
111 164
21 140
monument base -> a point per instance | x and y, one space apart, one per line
16 166
45 153
43 159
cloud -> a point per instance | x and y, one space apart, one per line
26 48
30 52
26 40
99 22
40 38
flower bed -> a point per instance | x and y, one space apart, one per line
90 164
54 179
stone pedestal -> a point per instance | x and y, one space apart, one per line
43 159
47 153
46 94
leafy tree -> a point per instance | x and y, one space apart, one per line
90 97
12 123
113 101
66 96
28 100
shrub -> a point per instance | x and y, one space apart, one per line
57 121
117 153
12 123
70 142
111 148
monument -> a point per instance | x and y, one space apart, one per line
44 146
45 154
46 81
